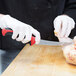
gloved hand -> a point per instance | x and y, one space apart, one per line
63 25
20 29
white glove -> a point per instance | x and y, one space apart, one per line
63 25
20 29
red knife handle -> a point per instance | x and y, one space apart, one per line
8 31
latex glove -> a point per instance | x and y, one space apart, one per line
20 29
63 25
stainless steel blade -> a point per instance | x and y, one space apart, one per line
46 42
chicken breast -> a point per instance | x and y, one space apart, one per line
69 52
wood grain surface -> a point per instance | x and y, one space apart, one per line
40 60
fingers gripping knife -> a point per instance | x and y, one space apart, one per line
8 31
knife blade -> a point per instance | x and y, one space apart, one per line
46 42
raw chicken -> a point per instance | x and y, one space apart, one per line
69 52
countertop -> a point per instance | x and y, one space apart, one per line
6 56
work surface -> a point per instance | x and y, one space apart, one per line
40 60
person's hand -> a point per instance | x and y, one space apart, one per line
63 25
21 31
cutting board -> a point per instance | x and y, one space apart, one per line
40 60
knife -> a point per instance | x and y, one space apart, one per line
8 31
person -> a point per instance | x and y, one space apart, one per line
36 17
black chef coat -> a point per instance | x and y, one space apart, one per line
37 13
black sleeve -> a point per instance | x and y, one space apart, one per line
70 8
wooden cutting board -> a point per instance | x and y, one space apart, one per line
40 60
